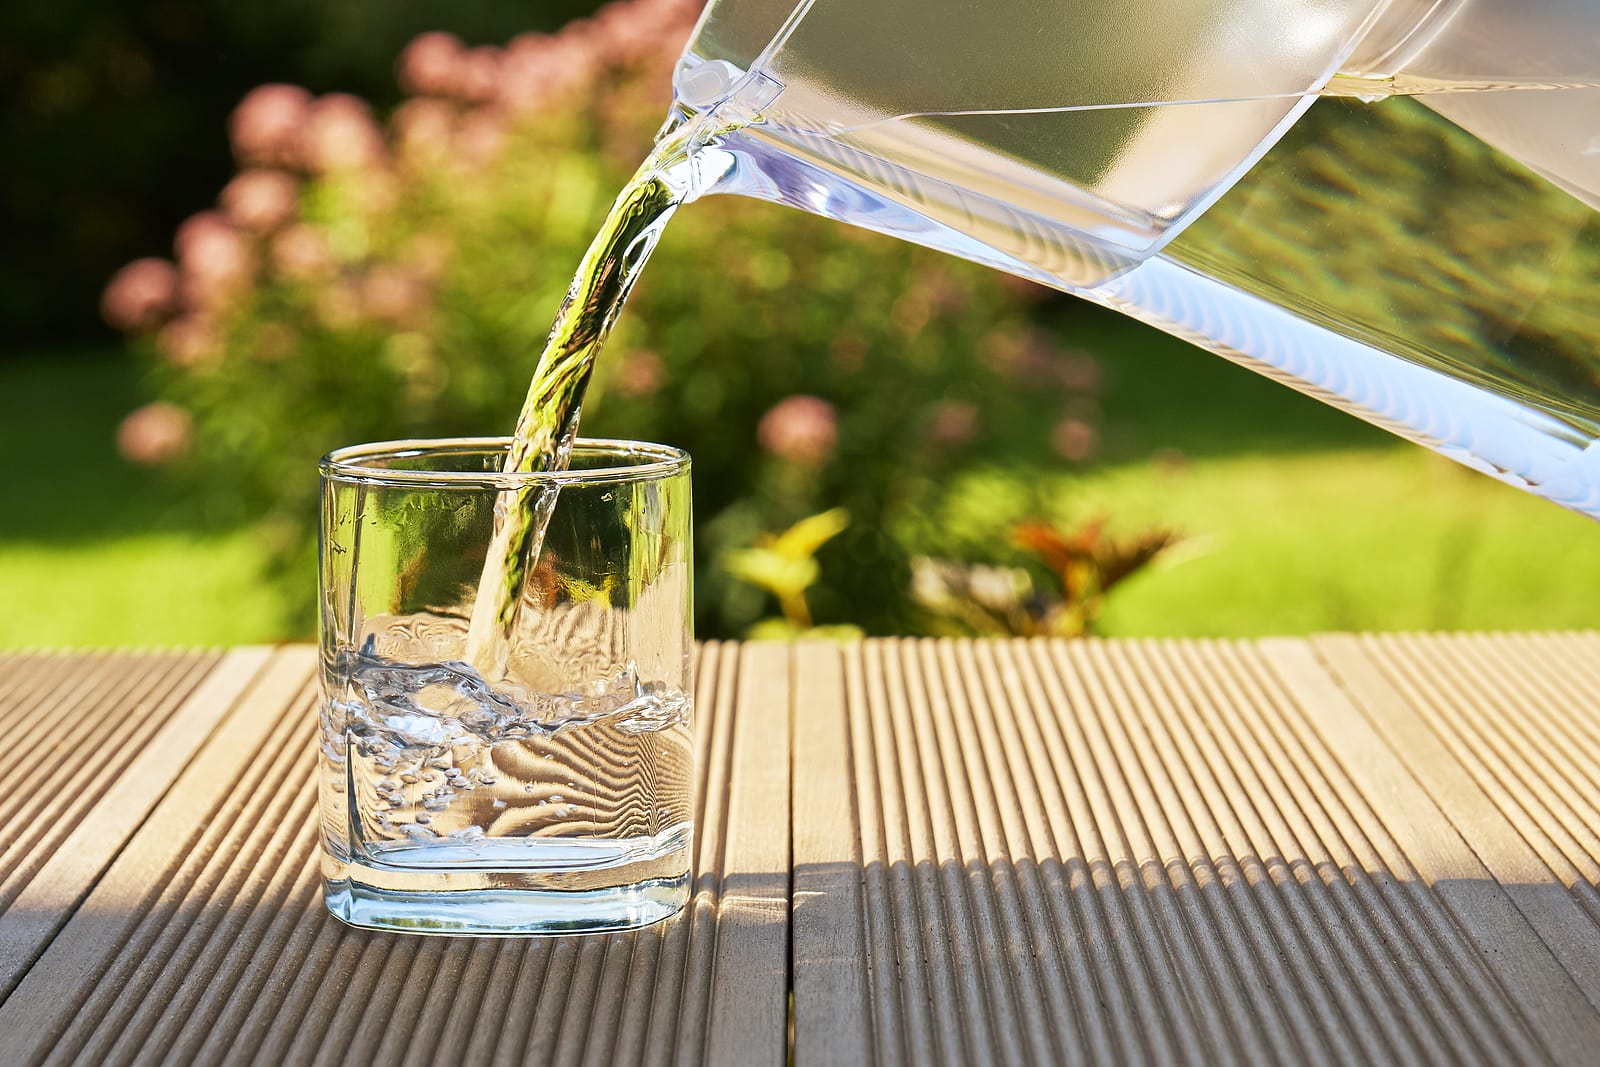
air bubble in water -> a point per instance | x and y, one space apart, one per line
404 750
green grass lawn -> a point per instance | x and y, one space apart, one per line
94 551
1298 519
136 589
1379 539
1398 539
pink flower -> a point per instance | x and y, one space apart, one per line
581 45
641 373
427 66
439 65
393 295
1027 354
1074 440
275 342
910 313
204 235
799 429
947 295
479 138
526 47
189 342
1030 292
955 422
576 61
477 75
301 253
425 128
375 192
260 200
215 259
141 296
338 306
526 71
680 11
342 134
427 255
155 434
1002 350
266 126
628 32
1079 371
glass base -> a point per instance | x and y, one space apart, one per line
506 912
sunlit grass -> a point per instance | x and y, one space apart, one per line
1380 539
1353 531
1371 540
137 589
1359 542
95 551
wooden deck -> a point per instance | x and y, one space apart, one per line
1342 850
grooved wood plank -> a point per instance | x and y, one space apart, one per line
206 940
82 721
1527 977
1503 731
1375 849
111 735
748 1008
1146 851
136 895
827 870
62 712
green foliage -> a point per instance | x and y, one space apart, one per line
1397 227
1084 565
785 565
1382 537
407 289
1347 530
148 86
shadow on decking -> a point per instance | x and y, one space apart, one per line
1221 960
201 971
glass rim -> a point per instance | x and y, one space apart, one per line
356 463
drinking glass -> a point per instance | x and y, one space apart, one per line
545 787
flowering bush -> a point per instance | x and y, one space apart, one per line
369 279
1004 601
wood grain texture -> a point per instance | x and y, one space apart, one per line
1152 852
828 868
205 939
108 733
1504 733
1341 850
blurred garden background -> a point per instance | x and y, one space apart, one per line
242 235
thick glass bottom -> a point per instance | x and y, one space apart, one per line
504 912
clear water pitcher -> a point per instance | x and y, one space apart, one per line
1393 206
